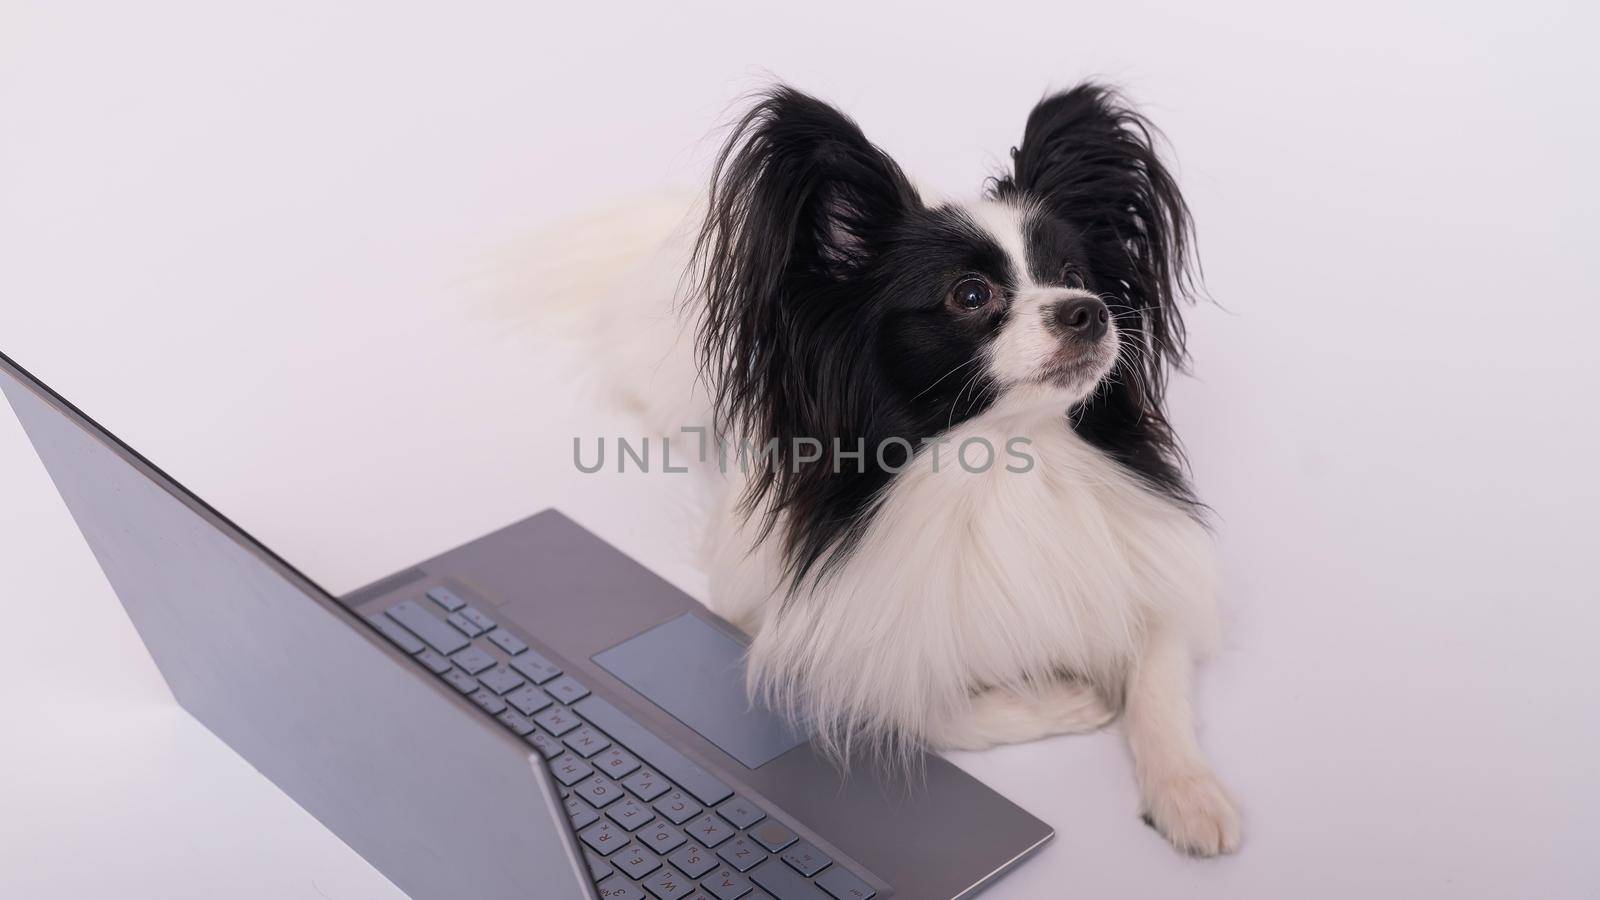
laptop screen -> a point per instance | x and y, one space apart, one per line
439 800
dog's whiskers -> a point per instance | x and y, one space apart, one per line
947 375
956 403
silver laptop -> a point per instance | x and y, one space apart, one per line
532 715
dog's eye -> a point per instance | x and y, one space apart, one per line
1071 278
972 292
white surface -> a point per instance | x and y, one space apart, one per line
247 242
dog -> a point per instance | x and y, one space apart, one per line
960 516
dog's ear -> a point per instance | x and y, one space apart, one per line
1090 160
798 199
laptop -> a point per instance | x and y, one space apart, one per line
532 715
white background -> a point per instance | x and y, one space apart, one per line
253 244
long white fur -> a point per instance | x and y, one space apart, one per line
979 608
971 580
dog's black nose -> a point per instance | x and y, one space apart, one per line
1083 317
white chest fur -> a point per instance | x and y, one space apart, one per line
967 579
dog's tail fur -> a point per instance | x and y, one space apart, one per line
608 285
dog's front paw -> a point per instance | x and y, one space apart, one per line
1194 812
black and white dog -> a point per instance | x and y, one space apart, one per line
966 523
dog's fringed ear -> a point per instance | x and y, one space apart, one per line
1091 160
797 197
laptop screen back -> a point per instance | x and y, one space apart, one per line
441 801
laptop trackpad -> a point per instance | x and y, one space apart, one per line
696 674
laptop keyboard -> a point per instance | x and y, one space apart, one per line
653 823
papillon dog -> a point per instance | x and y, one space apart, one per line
966 521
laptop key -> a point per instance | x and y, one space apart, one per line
581 813
842 885
507 641
806 859
598 867
586 742
516 722
566 689
600 791
535 667
741 812
402 638
528 699
693 859
773 835
709 830
629 813
660 837
678 807
645 784
570 770
436 663
545 744
420 622
464 625
446 598
489 700
741 853
461 681
636 861
473 615
501 680
473 660
619 888
558 720
604 836
666 759
668 883
616 762
782 882
726 884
